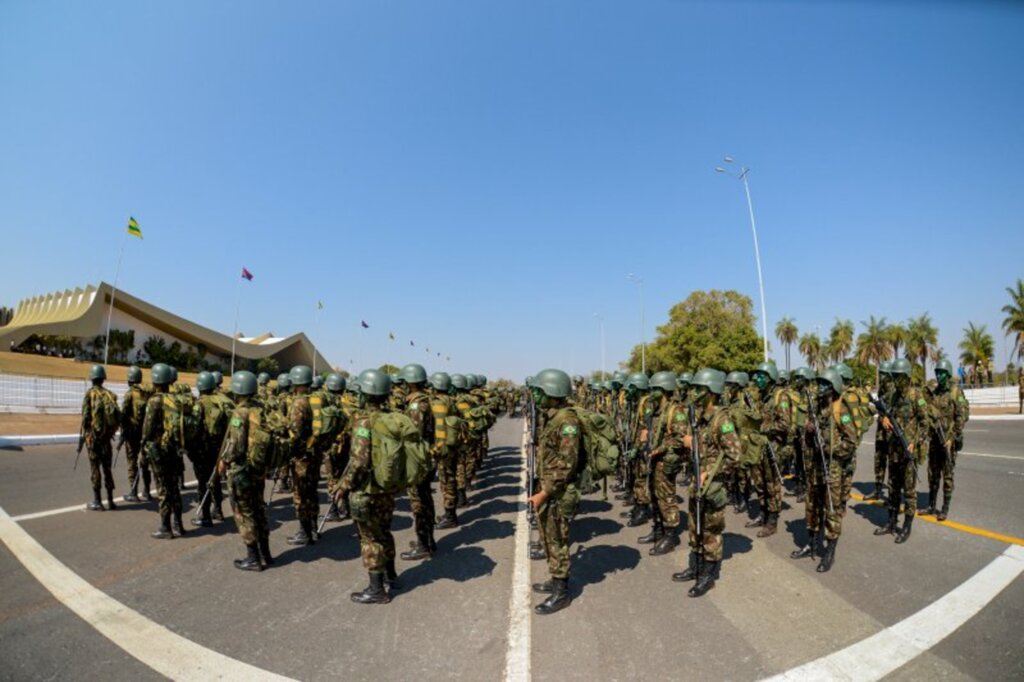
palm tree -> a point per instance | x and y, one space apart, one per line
840 340
873 344
787 334
810 346
976 348
1014 322
921 339
896 334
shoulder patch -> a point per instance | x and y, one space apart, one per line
921 402
568 430
236 422
414 406
680 417
845 419
784 404
362 432
728 427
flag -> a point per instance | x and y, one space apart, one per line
364 325
133 228
319 305
439 354
411 343
391 336
246 274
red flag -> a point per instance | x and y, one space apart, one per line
411 343
363 323
246 274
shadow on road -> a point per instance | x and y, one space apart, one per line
734 543
460 565
471 534
590 565
590 527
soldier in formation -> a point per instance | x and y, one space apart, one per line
100 420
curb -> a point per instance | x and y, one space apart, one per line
51 439
997 418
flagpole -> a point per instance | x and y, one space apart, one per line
316 331
113 293
234 335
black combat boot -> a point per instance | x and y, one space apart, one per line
251 562
374 592
876 494
932 494
705 579
164 531
546 587
537 551
301 536
332 515
97 503
420 548
742 500
810 549
756 522
133 494
110 499
904 534
641 515
310 526
665 544
265 549
216 513
178 526
391 575
449 520
890 525
618 487
557 600
690 572
657 531
460 498
771 525
147 481
944 513
829 557
343 511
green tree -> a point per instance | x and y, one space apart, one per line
976 349
787 334
269 365
873 344
810 346
388 368
896 335
1013 323
840 341
708 329
922 337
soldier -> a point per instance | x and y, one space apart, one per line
720 449
858 400
909 407
950 413
776 425
579 391
281 482
744 405
304 464
333 395
558 452
885 389
241 461
446 446
133 412
664 466
834 436
801 377
100 421
423 411
637 386
372 508
470 445
161 446
263 382
213 416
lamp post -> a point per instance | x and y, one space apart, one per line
742 175
639 281
600 324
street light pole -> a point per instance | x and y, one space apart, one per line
757 250
639 281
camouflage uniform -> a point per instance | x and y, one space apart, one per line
373 516
669 455
910 408
558 454
642 419
839 438
885 390
469 448
98 431
304 465
720 453
242 462
950 412
776 427
214 411
161 450
745 412
445 456
133 412
419 409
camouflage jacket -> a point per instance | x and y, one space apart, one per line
948 409
418 409
92 423
300 425
910 409
840 434
777 410
720 444
558 451
358 475
133 413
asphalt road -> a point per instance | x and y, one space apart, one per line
452 618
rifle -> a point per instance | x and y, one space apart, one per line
901 437
209 489
695 464
81 442
649 425
820 446
774 459
531 468
117 451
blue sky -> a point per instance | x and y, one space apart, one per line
480 177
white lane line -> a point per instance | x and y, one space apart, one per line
517 655
77 507
986 454
882 653
154 645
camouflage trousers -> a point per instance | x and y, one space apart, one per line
138 468
333 465
167 470
819 495
376 543
940 469
766 482
305 474
712 526
100 457
448 476
247 506
554 518
902 485
466 463
664 485
203 465
641 490
421 499
881 461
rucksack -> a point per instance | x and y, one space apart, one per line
399 455
181 422
267 446
328 420
105 417
600 445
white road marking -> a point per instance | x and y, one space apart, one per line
77 507
154 645
882 653
986 454
517 655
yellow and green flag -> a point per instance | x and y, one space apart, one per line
133 228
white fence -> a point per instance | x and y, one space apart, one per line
994 396
19 393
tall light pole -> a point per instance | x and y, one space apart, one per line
757 251
600 324
639 281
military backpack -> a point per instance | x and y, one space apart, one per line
399 456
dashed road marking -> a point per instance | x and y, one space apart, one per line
517 655
77 507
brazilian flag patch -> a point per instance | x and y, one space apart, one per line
784 405
680 417
568 430
362 432
845 419
921 402
727 427
236 422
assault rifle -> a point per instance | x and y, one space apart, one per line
897 431
120 444
531 470
695 464
81 442
769 450
819 445
649 425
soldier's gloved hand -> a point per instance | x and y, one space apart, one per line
958 443
340 495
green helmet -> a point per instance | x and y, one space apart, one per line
481 380
833 377
618 379
374 382
804 373
300 375
396 379
712 379
440 381
901 366
554 383
770 369
352 386
218 377
885 367
783 376
174 374
459 382
335 382
413 374
243 383
263 379
283 382
471 381
318 382
944 365
528 382
666 381
639 381
161 374
685 378
205 382
97 373
739 378
577 379
134 375
845 371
